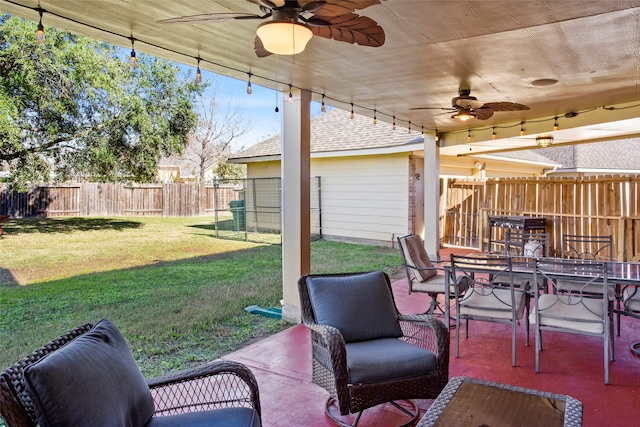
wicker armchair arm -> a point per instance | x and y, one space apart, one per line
430 333
215 385
329 352
330 339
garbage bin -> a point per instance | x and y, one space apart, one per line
237 210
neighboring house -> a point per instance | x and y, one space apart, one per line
599 158
167 174
371 175
178 170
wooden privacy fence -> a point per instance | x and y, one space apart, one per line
112 199
603 205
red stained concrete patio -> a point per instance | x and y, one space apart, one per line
570 364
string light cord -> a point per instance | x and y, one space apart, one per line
275 82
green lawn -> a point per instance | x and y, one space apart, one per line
177 292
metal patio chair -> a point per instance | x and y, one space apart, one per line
572 306
491 295
422 274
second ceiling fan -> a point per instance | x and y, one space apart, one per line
465 107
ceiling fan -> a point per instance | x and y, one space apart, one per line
294 22
465 107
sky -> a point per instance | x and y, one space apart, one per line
257 108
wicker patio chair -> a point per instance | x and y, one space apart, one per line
220 391
364 353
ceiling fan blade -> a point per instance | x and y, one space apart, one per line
261 52
342 7
503 106
211 17
351 28
311 5
433 108
482 113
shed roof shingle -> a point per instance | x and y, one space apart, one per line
334 130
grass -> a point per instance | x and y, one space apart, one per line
175 290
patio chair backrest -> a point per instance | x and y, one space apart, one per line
587 247
576 303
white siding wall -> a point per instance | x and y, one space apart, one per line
364 197
268 169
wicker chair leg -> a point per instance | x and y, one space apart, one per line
413 412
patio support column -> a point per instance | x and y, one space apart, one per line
296 206
431 175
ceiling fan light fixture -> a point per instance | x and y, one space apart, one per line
544 140
284 38
463 114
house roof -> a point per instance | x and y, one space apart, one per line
334 130
623 154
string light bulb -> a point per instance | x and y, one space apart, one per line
468 135
375 118
40 30
249 89
132 60
421 130
352 113
409 130
198 72
394 122
555 123
290 94
323 108
493 132
522 131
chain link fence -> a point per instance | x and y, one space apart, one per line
251 209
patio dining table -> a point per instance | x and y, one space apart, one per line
618 273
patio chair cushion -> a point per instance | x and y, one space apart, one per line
631 298
226 417
494 303
417 256
360 306
400 360
561 311
91 381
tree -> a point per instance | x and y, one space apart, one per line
210 142
73 108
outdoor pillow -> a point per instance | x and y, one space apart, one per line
91 381
360 306
418 257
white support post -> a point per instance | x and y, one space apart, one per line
431 184
296 206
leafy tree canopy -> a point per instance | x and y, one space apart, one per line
73 108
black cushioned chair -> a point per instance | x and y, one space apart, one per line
365 353
88 377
